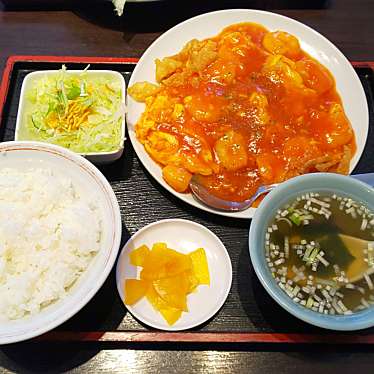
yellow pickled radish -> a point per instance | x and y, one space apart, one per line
200 266
135 289
166 279
138 255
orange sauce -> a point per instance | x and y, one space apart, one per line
298 127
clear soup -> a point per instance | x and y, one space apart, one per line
320 250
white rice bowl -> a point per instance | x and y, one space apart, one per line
71 251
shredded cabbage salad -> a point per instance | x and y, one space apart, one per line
82 112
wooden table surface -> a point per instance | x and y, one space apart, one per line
93 30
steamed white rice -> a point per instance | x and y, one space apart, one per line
49 234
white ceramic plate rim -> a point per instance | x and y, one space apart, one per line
189 29
22 103
61 313
175 327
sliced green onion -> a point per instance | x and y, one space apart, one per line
295 218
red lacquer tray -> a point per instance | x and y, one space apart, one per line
249 314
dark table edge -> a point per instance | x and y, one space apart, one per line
174 337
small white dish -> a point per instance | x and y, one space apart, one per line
87 180
210 24
95 157
184 236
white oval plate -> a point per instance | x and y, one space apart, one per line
88 180
210 24
184 236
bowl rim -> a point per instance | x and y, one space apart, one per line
355 321
62 315
22 103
